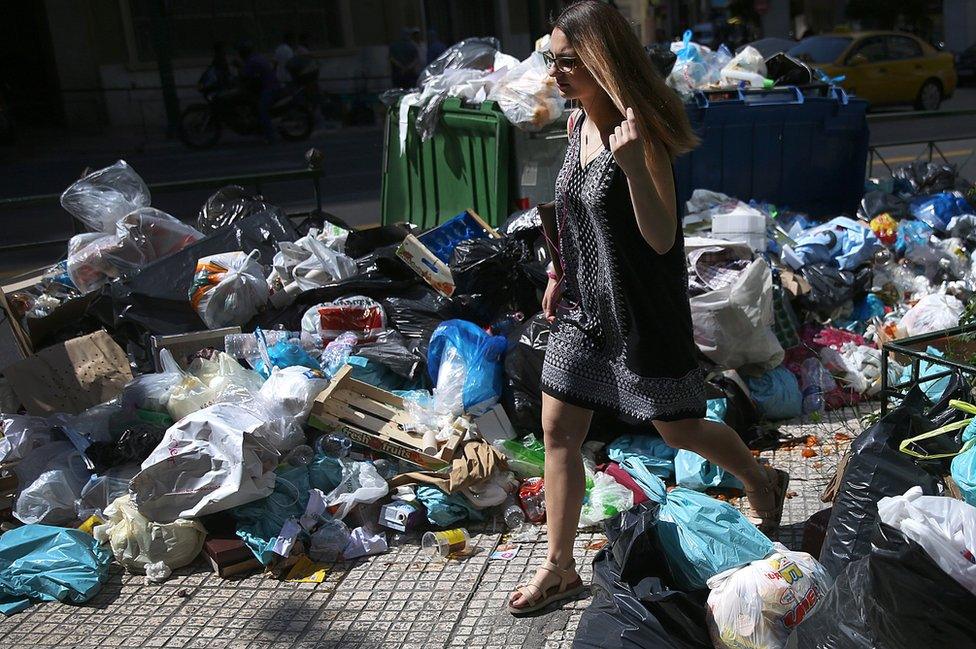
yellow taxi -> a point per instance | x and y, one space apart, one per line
883 68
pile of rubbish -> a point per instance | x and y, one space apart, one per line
278 400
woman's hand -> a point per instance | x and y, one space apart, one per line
551 298
627 146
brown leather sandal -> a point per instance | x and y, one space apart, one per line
768 520
538 598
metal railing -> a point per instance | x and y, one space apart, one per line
931 144
312 171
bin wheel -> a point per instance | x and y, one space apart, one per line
296 123
199 127
929 96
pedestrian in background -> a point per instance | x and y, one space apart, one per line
435 46
622 339
283 54
404 60
258 76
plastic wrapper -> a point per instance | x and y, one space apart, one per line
605 498
944 527
875 469
44 563
21 434
359 314
360 484
932 313
758 605
896 597
228 205
528 95
137 542
228 289
733 324
103 197
209 461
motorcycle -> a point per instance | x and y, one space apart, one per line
236 108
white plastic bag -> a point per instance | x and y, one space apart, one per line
733 324
758 605
52 478
309 263
748 65
932 313
187 393
944 527
361 483
138 542
226 378
103 197
606 498
228 289
284 402
211 460
21 434
528 95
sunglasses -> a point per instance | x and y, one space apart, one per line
565 64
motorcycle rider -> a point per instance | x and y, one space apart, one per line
258 76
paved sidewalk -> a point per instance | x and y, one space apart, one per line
395 600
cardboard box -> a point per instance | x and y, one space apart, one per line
376 419
182 345
429 254
15 344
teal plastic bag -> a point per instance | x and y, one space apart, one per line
444 510
46 563
651 451
933 388
701 536
777 394
692 471
963 469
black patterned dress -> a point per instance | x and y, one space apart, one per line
623 340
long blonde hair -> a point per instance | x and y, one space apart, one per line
610 50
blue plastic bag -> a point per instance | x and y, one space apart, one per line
650 451
461 347
777 394
911 235
937 210
282 354
933 388
692 471
842 242
46 563
702 536
870 306
444 510
964 467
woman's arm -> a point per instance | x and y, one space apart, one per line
651 187
547 214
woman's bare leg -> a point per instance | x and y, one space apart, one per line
565 427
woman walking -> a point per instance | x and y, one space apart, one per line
622 337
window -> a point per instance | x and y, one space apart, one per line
903 47
194 25
820 49
872 49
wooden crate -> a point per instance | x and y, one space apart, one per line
377 419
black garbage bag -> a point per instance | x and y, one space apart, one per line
134 444
878 202
522 394
384 263
633 606
662 58
363 242
391 364
416 312
228 205
153 300
876 468
896 597
830 288
785 70
928 177
741 413
496 276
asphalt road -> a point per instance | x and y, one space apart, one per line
45 163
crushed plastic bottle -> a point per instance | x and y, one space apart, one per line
301 455
333 445
513 514
337 353
532 495
815 381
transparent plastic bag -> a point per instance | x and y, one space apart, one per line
748 65
20 435
696 67
228 205
228 289
328 541
470 53
758 605
138 542
101 490
103 197
50 494
361 483
528 95
932 313
606 499
188 393
284 402
226 378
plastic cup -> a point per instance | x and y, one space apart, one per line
444 544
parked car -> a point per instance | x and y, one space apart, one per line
884 68
966 65
769 46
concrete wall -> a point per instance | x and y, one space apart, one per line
76 60
959 18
